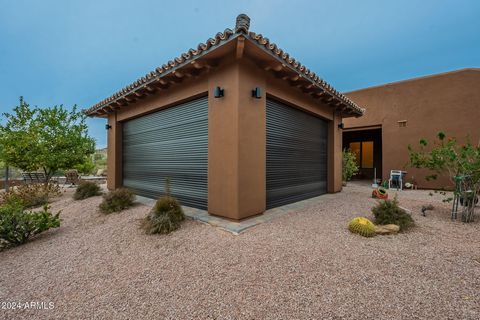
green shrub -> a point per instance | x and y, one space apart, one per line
87 189
117 200
388 212
31 195
17 226
349 165
165 217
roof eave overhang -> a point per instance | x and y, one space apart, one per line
194 62
300 77
152 82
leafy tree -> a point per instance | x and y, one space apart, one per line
461 162
49 139
87 167
349 165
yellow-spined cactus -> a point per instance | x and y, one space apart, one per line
362 226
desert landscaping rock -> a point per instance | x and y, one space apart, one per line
387 229
303 265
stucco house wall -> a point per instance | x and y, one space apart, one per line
448 102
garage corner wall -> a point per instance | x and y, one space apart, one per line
114 153
334 155
236 160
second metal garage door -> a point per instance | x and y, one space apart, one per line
169 143
296 155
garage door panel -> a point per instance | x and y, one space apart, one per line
296 155
168 134
170 143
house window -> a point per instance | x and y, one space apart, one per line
367 154
402 123
363 153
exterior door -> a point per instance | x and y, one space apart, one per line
296 155
169 143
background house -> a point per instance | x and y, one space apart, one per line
401 113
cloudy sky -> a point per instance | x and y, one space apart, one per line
80 52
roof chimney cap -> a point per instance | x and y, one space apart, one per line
242 23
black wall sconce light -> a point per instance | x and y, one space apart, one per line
107 126
218 92
257 93
341 125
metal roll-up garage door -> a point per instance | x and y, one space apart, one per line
296 155
169 143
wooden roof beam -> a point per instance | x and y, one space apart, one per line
327 99
275 66
150 89
139 94
178 74
204 63
130 98
108 108
240 47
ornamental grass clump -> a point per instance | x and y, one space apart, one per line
166 216
362 226
17 225
117 200
388 212
87 189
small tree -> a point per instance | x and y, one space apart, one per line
49 139
461 162
349 165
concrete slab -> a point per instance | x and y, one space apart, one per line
237 227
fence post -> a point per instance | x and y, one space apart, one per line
6 178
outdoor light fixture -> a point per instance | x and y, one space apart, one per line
257 93
218 92
341 125
107 126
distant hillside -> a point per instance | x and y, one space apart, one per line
101 151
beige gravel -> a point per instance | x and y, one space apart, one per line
304 265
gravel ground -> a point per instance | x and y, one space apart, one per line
300 266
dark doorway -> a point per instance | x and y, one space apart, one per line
367 146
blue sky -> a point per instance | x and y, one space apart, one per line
80 52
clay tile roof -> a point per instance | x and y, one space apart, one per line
241 28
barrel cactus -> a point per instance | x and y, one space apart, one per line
362 226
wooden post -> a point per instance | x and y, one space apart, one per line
6 178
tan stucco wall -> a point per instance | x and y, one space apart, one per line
114 153
223 143
447 102
334 155
237 133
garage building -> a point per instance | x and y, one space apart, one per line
237 125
